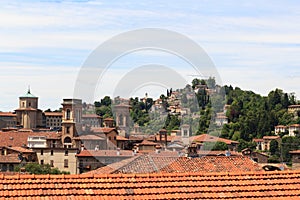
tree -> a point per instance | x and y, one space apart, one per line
106 101
211 83
35 168
215 146
274 147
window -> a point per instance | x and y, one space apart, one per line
51 153
115 138
42 162
23 104
68 129
185 133
11 167
66 152
29 104
52 163
42 152
4 167
66 163
81 163
68 114
2 152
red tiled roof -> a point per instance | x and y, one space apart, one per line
216 153
283 185
10 158
295 125
7 114
212 164
280 126
271 137
147 143
57 114
210 138
137 137
102 130
29 109
104 153
108 119
157 138
294 106
21 149
91 116
295 152
88 137
18 139
141 164
258 140
111 168
121 138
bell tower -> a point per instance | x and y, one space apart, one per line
71 121
27 111
122 112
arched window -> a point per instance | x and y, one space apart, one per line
67 140
68 114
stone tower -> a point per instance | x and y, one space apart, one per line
71 121
28 114
122 112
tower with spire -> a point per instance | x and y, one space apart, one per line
28 114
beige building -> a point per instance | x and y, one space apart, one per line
294 109
61 158
53 120
9 119
280 129
294 129
264 143
92 120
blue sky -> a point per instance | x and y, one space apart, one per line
254 45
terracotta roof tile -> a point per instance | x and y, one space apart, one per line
210 138
10 158
18 139
105 153
89 137
56 114
8 114
102 130
247 185
121 138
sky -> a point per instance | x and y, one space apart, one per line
254 45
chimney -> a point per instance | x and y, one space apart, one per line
134 150
163 132
82 147
227 153
157 149
118 151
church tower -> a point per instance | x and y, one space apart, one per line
71 121
122 112
28 114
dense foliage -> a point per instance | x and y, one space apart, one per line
253 116
35 168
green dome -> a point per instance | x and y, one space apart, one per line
28 95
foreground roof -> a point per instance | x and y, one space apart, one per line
154 163
212 164
249 185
